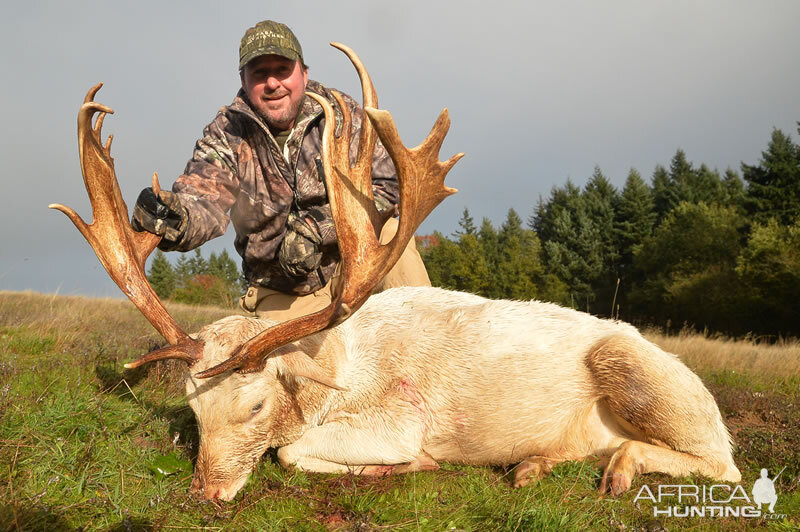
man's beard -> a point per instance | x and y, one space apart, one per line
286 117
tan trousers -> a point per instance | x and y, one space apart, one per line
274 305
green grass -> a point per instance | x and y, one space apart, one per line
82 441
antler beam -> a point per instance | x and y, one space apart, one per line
121 250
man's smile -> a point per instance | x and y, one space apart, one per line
274 98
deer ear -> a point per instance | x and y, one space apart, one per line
299 364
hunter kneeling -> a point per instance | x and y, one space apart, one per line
259 166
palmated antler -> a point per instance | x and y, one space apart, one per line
121 250
364 260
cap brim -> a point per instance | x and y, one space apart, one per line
270 50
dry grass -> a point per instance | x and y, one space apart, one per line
69 316
706 352
95 330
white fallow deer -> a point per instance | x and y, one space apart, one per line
414 376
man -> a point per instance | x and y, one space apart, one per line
259 166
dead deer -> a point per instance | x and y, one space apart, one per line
412 376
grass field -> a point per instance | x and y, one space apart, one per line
86 444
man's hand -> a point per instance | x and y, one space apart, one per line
300 252
163 215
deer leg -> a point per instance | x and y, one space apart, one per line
423 462
533 468
668 405
373 442
634 457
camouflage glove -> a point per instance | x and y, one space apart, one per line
163 215
300 252
321 220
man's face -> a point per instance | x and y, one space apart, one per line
275 86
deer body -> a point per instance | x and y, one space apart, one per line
430 375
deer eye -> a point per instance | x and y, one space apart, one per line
257 408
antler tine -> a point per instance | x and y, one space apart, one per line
366 144
420 173
92 93
364 261
121 250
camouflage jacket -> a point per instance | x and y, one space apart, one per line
238 173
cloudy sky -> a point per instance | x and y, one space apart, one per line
538 92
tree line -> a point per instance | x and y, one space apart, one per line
196 281
693 247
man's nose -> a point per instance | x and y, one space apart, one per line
273 83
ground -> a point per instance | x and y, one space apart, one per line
85 444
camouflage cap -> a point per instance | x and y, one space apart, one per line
269 37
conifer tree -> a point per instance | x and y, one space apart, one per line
546 219
635 217
519 270
601 198
707 186
467 225
773 186
441 259
633 222
472 272
162 276
571 243
488 239
182 271
734 189
508 274
662 195
223 267
672 188
681 173
197 265
511 228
